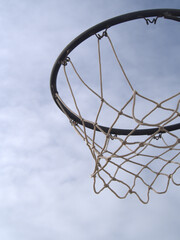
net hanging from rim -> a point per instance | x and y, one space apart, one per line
128 164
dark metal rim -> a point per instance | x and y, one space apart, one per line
173 14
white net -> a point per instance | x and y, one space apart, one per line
130 164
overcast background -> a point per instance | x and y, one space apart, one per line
45 186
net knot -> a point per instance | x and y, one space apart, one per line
114 179
102 100
134 92
158 105
170 176
161 129
130 191
124 142
120 113
106 185
140 122
141 144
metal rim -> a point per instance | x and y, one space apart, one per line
173 14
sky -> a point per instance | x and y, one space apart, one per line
45 168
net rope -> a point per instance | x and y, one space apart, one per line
135 165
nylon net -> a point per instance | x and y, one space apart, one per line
129 164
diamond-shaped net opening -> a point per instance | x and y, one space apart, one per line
130 164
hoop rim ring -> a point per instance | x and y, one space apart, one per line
172 14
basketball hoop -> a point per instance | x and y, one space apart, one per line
127 160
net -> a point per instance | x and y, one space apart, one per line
129 164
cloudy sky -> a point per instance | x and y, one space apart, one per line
45 185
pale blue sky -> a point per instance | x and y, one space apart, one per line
45 185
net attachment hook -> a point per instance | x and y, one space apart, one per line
104 34
157 137
148 21
65 61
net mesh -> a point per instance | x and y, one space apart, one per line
129 164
